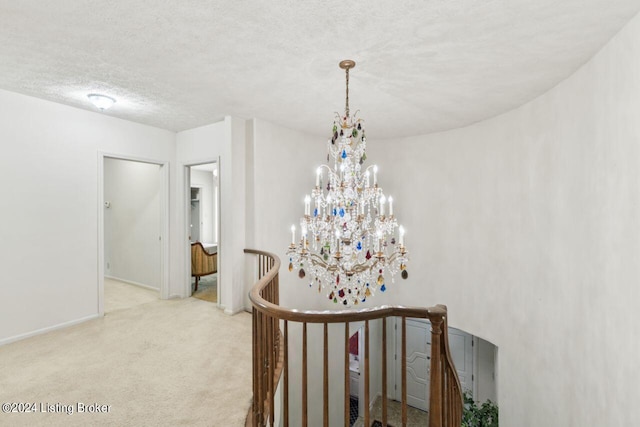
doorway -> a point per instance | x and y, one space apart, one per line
356 383
132 230
203 215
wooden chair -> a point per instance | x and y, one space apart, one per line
202 262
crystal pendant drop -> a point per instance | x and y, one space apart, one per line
368 256
404 274
301 273
380 279
290 266
383 288
344 154
367 292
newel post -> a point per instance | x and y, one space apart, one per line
435 376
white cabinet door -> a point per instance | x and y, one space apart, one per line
354 383
461 346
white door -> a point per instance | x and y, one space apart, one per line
419 360
461 346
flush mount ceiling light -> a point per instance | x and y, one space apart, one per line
348 242
101 101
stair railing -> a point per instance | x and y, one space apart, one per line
270 354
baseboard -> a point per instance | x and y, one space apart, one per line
233 312
131 282
375 397
47 329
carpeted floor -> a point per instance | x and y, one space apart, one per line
207 288
120 296
158 363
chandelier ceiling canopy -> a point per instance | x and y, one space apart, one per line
348 244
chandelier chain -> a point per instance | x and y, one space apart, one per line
346 108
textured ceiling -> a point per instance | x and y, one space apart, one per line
422 65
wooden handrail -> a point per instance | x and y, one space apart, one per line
270 358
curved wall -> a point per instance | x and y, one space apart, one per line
528 227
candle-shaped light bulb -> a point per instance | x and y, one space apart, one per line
401 231
390 206
307 205
379 234
366 176
375 175
337 240
382 202
318 173
293 234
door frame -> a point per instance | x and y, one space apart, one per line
186 206
164 221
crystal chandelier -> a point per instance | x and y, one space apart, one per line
347 243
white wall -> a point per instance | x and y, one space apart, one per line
283 170
49 207
527 227
132 221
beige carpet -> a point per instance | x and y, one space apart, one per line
119 295
159 363
207 288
